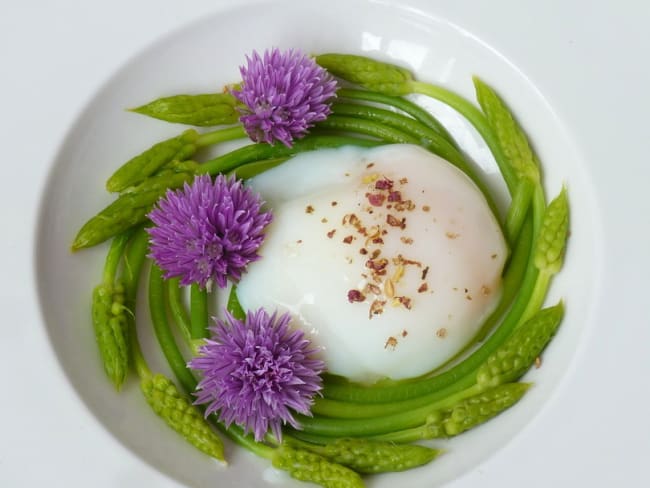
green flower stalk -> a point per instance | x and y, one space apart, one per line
109 316
204 110
549 249
372 457
518 353
369 73
308 466
464 415
179 413
147 163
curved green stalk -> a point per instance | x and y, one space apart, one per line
220 135
258 152
418 113
177 308
165 338
198 312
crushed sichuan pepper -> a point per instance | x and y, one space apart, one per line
334 204
494 256
391 342
331 233
468 297
423 287
377 264
355 296
402 260
363 251
538 362
376 199
452 235
442 332
374 289
405 333
384 184
425 208
309 209
406 301
395 196
485 290
425 271
406 240
348 239
375 253
395 222
405 205
323 220
369 165
299 241
376 308
403 181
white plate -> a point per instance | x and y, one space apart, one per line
551 81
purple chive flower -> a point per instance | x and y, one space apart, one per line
256 371
284 95
208 231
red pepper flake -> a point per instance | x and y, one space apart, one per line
377 240
395 222
424 273
331 233
406 240
363 251
348 239
355 296
376 308
384 184
423 287
426 208
403 181
374 289
376 199
309 209
369 165
406 301
334 204
391 342
377 264
395 196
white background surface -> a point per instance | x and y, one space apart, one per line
588 58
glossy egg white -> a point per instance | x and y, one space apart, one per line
389 258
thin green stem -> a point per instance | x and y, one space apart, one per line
220 135
477 119
249 170
134 258
539 294
163 333
344 410
177 308
518 208
406 106
233 306
257 152
114 256
370 128
198 312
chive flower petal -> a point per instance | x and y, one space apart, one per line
256 372
284 94
208 231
